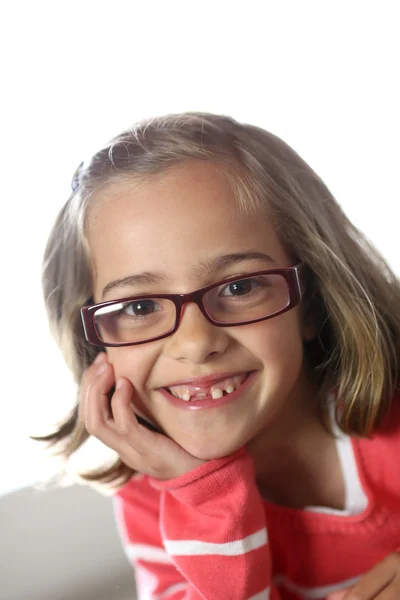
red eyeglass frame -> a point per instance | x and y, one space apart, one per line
293 276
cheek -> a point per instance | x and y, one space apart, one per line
276 342
134 363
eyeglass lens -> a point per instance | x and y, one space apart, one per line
241 300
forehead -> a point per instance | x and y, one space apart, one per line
173 221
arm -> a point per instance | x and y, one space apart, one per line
199 536
136 509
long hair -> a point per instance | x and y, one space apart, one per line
352 294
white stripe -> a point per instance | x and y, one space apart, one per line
153 554
146 581
356 499
264 595
178 587
198 548
313 593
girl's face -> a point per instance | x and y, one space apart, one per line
172 225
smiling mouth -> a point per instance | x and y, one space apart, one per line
218 390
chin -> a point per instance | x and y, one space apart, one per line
211 451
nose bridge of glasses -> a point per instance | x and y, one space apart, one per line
195 298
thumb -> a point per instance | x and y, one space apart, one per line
337 595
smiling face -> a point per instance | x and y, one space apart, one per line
173 224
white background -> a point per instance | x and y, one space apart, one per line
322 75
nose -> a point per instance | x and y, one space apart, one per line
196 340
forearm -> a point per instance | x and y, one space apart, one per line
212 524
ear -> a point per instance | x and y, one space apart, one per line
312 313
309 330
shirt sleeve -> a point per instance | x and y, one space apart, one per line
200 536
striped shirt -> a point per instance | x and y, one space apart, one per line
210 535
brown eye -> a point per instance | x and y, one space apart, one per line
240 288
140 308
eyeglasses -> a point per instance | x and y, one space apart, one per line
232 302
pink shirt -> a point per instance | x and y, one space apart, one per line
210 535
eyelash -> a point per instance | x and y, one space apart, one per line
122 311
238 281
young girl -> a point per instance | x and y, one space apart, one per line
236 341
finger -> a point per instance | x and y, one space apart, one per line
97 410
337 595
116 426
376 580
392 592
99 419
131 404
102 356
150 448
141 449
125 418
122 407
87 378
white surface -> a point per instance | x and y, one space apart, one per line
61 545
320 75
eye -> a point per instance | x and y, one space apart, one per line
241 287
140 308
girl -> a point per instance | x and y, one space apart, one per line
236 341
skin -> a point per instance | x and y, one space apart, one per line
173 222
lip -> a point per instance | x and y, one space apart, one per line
210 402
204 382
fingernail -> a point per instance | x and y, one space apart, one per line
101 369
118 384
99 357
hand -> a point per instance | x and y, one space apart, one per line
117 426
382 582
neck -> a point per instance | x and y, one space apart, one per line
292 438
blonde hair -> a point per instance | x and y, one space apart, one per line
352 294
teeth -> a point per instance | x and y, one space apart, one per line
215 392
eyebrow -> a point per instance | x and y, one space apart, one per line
216 264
